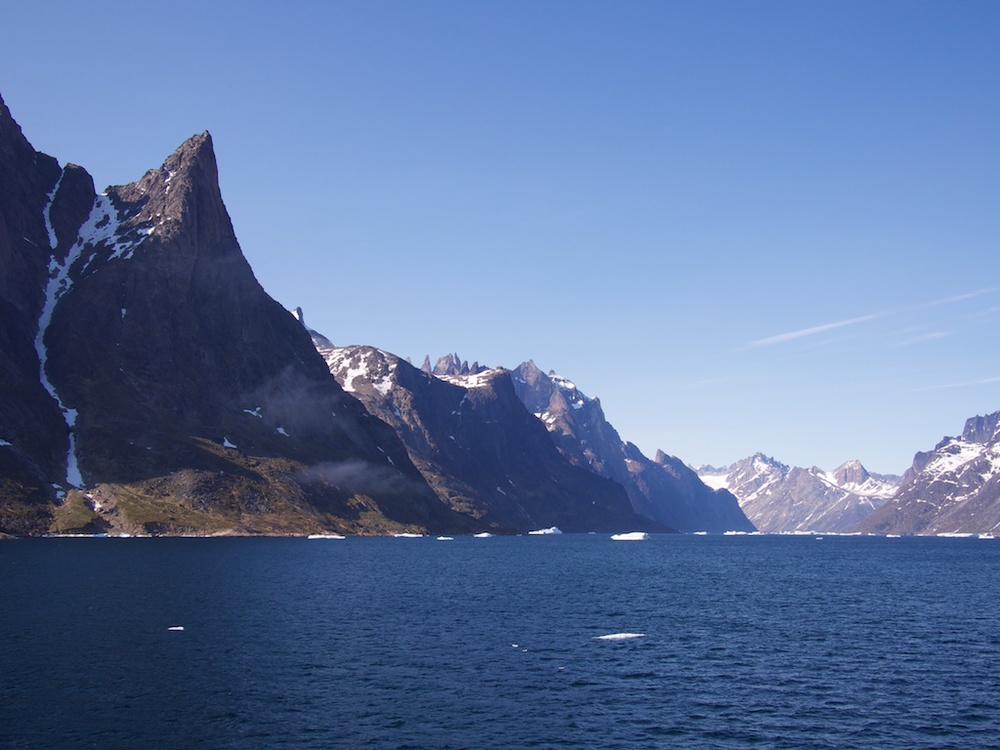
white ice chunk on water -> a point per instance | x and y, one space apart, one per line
326 536
281 431
631 536
550 530
446 539
619 636
483 535
176 627
253 412
227 444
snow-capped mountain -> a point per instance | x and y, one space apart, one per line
954 488
664 489
149 382
779 498
478 447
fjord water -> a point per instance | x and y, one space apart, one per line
772 642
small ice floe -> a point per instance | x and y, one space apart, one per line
631 536
326 536
619 636
408 536
254 412
482 535
446 539
987 535
227 444
550 530
176 627
281 431
4 443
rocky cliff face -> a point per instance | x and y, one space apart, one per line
779 498
478 447
954 488
664 489
150 384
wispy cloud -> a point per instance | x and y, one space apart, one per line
803 332
962 384
959 297
933 336
781 338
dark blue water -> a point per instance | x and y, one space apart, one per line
749 642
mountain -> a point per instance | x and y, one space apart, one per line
151 385
779 498
954 488
664 489
472 439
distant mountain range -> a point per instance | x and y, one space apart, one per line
952 489
150 385
779 498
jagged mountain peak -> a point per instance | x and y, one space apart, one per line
321 342
11 136
452 365
181 196
575 396
761 461
851 472
148 367
982 429
360 368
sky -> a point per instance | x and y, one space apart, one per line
744 226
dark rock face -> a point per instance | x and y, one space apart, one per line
664 490
779 498
142 360
953 489
477 445
31 426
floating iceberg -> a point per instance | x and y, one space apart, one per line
408 536
446 539
550 530
176 627
619 636
631 536
482 535
325 536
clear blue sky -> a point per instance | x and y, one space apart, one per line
744 226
